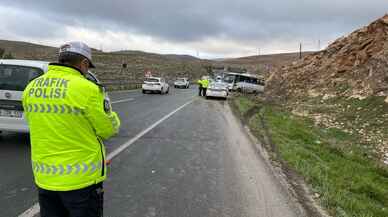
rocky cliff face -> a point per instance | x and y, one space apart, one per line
355 66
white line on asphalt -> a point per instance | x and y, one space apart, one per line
124 91
34 210
138 136
31 211
124 100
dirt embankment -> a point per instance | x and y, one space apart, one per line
343 86
355 65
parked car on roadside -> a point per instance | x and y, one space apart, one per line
182 83
155 84
217 89
14 77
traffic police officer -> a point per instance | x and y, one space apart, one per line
200 87
205 85
68 117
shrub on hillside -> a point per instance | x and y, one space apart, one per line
8 56
5 56
2 51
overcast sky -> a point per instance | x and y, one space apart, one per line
210 28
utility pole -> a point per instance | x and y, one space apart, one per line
319 44
300 50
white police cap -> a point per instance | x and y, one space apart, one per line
79 48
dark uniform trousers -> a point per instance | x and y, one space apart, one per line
85 202
204 91
200 90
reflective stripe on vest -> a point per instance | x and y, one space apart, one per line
53 108
60 169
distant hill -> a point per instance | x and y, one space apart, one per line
25 50
110 65
111 71
262 63
272 59
176 57
182 57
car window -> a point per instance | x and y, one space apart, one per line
14 77
252 80
229 79
151 80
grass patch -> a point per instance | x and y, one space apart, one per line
331 161
243 104
370 109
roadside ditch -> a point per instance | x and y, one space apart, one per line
324 167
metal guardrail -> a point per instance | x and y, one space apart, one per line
121 85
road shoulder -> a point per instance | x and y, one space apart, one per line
291 183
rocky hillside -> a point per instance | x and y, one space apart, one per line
343 87
263 63
355 65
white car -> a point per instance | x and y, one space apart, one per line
14 77
155 84
217 89
182 83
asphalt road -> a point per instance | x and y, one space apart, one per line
197 162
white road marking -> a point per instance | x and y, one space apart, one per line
125 91
31 211
124 100
34 210
138 136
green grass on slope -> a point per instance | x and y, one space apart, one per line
348 183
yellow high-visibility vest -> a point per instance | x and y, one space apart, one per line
68 119
205 83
